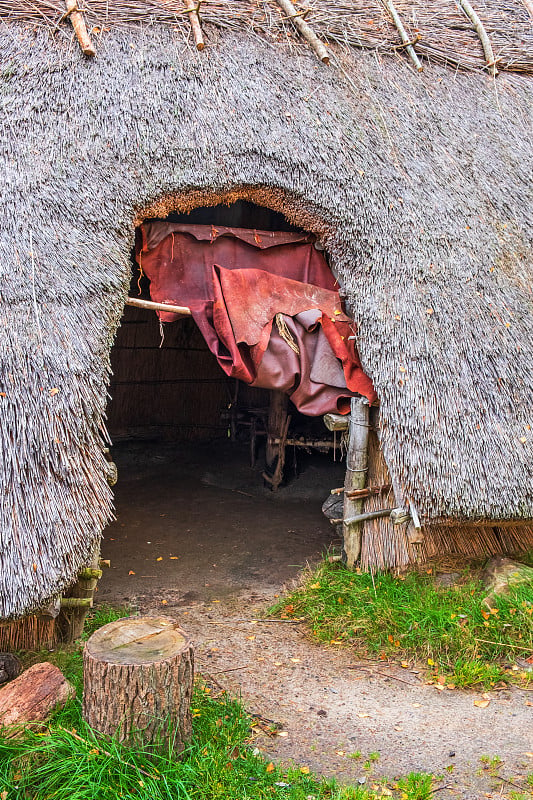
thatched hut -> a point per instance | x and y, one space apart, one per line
417 184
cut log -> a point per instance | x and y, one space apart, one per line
32 697
138 679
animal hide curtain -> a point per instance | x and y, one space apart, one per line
266 304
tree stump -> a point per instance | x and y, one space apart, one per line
32 697
138 679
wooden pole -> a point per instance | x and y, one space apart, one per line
138 679
75 608
80 29
308 34
151 306
406 39
192 10
356 474
483 36
277 429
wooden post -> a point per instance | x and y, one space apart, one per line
277 428
73 613
138 679
356 473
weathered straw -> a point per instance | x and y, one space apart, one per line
416 183
442 33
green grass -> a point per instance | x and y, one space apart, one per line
412 620
66 760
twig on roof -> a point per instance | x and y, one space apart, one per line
194 18
406 40
482 33
529 5
78 23
306 31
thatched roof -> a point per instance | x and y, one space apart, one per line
419 184
441 30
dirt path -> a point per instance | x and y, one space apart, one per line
217 553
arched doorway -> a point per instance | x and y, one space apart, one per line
196 517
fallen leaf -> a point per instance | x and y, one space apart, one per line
405 664
481 703
315 586
431 662
54 391
270 767
304 770
93 752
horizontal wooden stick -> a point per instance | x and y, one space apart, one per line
368 515
88 573
368 491
76 602
151 306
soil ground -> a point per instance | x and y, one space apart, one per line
199 538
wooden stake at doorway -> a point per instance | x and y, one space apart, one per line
277 430
355 480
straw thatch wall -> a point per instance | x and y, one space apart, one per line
418 185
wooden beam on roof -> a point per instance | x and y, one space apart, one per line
194 18
482 33
406 39
80 29
297 19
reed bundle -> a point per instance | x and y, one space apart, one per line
440 29
29 633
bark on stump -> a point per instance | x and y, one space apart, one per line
138 679
32 697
